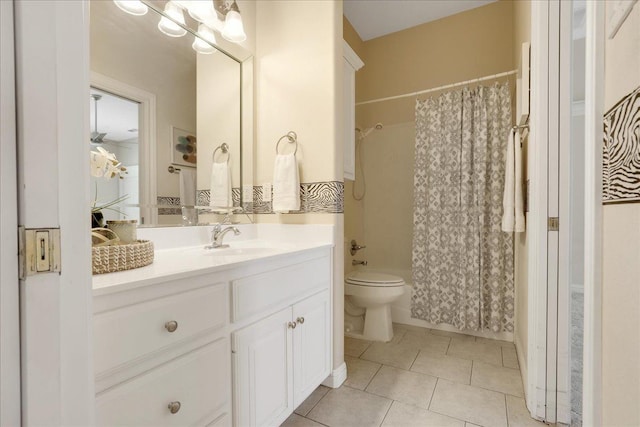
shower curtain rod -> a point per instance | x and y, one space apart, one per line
466 82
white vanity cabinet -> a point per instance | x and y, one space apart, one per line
162 355
238 345
284 352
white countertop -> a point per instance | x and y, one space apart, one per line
188 261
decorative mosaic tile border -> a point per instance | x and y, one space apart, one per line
315 197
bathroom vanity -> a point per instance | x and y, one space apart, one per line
239 336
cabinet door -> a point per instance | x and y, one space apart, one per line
311 345
263 378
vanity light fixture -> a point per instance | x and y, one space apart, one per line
233 28
169 27
201 10
133 7
201 43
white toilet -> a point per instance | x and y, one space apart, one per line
374 292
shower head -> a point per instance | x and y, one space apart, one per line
367 131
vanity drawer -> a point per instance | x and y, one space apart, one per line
254 294
198 384
129 333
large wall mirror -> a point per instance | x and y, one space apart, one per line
169 107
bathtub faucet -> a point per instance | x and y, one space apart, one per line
358 262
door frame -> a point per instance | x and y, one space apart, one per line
52 98
545 110
9 284
146 134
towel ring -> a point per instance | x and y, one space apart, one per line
225 150
292 137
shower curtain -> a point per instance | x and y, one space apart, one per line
462 261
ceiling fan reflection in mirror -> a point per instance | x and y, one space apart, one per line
96 137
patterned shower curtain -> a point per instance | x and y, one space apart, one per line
462 261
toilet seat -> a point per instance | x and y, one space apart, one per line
379 280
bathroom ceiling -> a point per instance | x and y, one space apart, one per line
375 18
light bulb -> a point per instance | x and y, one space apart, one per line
233 29
168 26
202 40
202 10
134 7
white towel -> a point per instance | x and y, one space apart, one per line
512 201
221 196
286 184
188 195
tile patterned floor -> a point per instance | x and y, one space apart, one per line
422 378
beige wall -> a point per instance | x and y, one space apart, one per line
460 47
621 254
113 54
468 45
299 87
521 34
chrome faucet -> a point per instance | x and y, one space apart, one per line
358 262
217 234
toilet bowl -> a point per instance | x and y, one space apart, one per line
374 292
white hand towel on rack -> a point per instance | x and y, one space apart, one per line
188 195
512 201
221 196
286 184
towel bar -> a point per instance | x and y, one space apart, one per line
225 150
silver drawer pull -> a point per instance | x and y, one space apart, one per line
292 325
300 320
174 407
171 327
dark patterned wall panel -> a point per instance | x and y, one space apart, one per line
621 151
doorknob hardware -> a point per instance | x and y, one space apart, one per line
292 325
171 326
300 320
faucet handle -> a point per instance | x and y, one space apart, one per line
355 247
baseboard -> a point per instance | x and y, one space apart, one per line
522 361
337 377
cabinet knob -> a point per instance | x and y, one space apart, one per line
174 407
292 325
300 320
171 327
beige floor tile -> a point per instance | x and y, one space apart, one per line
510 358
519 414
442 366
473 404
411 328
497 378
428 343
311 401
296 420
500 343
456 335
395 355
355 347
360 372
471 425
348 407
408 387
403 415
397 335
474 350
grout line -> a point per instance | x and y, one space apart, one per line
471 376
506 410
433 394
387 413
374 375
319 400
502 354
414 359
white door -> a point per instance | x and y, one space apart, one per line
52 89
263 371
311 345
9 286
